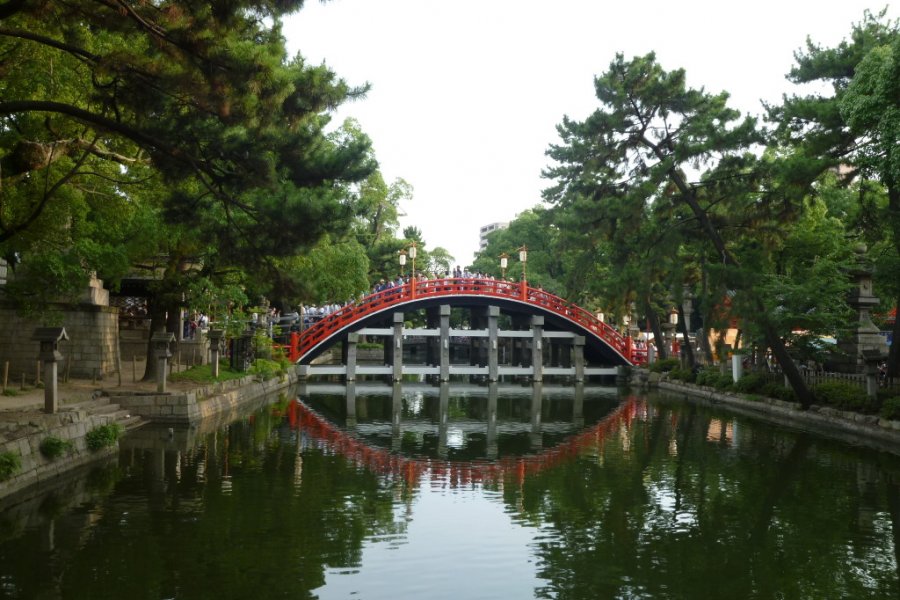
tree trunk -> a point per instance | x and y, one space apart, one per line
688 350
653 319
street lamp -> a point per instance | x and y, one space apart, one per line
504 261
412 256
402 254
523 258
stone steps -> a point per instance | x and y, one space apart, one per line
103 407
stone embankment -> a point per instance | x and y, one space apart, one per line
24 427
852 427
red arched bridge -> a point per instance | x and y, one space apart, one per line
558 317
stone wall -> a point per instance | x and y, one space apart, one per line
226 399
35 467
91 347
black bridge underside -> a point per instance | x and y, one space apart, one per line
596 351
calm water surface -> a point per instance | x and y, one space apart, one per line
466 492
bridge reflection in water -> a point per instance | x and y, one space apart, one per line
460 434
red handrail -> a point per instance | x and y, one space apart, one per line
435 288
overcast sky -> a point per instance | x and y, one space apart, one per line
466 95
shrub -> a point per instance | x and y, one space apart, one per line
53 447
710 376
102 436
724 382
665 365
267 369
779 392
10 463
10 392
682 375
890 407
845 396
751 383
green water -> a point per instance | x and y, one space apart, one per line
468 492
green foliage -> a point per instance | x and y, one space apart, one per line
751 383
890 407
686 375
202 374
267 369
10 463
779 392
712 377
665 365
10 392
103 436
53 447
844 395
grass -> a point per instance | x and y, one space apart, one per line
53 447
103 436
203 374
10 463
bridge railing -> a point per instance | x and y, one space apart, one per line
450 286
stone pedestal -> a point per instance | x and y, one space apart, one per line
49 338
215 342
161 341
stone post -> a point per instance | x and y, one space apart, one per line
161 341
493 360
578 358
537 348
49 338
215 342
350 359
397 345
871 360
445 342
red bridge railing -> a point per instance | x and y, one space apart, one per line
320 331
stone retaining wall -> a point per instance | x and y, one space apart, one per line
212 401
91 348
72 426
853 427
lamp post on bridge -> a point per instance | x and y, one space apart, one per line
412 272
402 254
523 258
504 261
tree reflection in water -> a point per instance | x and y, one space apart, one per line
646 498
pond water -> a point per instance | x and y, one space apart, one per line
464 492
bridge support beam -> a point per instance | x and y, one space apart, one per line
350 348
493 362
578 357
537 348
433 344
397 346
445 342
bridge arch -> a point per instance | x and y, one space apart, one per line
603 344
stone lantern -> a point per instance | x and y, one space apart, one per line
865 335
160 342
215 342
49 338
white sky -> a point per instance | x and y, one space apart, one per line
466 95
